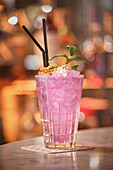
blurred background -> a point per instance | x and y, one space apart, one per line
88 24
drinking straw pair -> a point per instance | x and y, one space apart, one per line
44 52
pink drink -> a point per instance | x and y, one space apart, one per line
59 102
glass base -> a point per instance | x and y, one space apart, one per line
60 135
41 149
63 146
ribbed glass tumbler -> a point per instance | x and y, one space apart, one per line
59 103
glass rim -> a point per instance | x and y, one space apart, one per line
40 76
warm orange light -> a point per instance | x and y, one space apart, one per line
5 26
24 86
5 52
94 104
37 117
109 82
10 114
96 81
107 21
63 30
93 83
1 8
22 18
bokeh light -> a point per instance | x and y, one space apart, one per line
46 8
13 20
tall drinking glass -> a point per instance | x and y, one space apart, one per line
59 103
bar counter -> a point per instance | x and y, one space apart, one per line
100 158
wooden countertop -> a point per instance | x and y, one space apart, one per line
100 158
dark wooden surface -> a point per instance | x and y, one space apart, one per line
100 158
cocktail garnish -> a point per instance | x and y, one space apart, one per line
75 67
44 69
52 66
72 50
59 55
53 69
78 59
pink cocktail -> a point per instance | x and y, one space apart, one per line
59 102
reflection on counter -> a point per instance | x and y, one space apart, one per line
63 157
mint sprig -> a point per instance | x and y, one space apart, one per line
75 67
72 50
52 68
78 59
59 55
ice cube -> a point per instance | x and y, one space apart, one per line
73 73
60 72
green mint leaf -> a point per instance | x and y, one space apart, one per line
75 67
71 49
59 55
68 47
78 59
52 68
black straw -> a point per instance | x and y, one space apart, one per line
45 42
38 45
